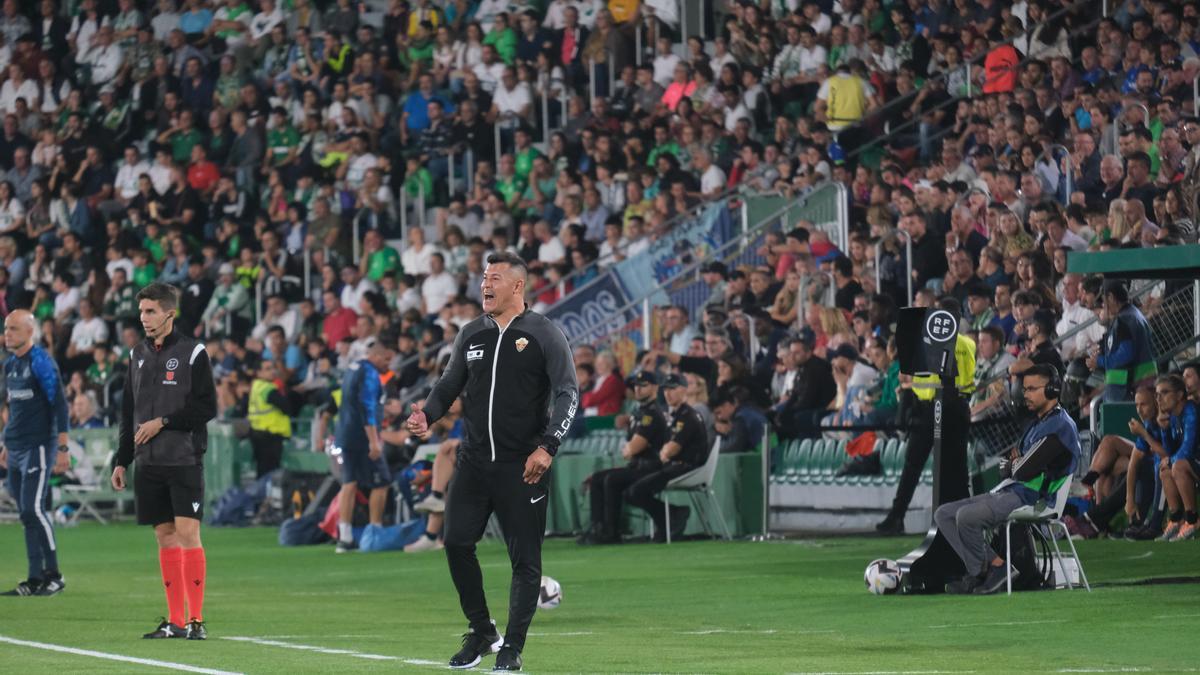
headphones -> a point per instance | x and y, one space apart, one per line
1053 384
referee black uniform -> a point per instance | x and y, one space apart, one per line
519 393
173 382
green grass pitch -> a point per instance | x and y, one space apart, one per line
741 607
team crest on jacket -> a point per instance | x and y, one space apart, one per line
521 344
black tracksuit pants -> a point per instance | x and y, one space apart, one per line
607 489
479 488
954 479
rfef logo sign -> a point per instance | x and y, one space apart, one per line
940 326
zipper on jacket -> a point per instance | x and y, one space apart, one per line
492 390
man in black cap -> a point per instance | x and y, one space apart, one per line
647 434
1039 345
685 450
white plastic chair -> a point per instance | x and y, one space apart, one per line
1051 517
698 482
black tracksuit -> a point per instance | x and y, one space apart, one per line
519 392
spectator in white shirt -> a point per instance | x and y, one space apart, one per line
416 258
664 63
550 249
354 286
712 178
17 86
88 331
126 182
66 298
278 314
440 287
511 97
105 57
1074 314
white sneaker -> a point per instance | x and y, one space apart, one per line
424 544
1172 530
430 504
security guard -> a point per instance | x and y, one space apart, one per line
1128 358
958 387
646 437
269 422
686 450
169 399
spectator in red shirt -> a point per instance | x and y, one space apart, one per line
608 392
202 174
339 320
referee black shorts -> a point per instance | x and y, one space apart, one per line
164 493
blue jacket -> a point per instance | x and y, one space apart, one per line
1179 438
1056 422
37 408
361 407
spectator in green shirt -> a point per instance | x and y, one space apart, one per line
283 141
502 38
181 137
525 153
663 143
379 258
144 271
508 183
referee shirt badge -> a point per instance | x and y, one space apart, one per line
521 344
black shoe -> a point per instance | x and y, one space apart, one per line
963 586
196 631
679 519
508 659
166 630
345 546
52 586
27 587
996 579
1141 533
474 646
890 527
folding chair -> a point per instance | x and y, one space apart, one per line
1051 517
698 482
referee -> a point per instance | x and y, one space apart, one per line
37 411
169 399
515 373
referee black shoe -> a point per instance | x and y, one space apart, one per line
508 659
165 631
475 646
195 630
27 587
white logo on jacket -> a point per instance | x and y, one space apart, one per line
172 364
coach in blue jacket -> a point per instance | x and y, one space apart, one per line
37 413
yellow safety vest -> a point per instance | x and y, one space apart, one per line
925 386
847 102
264 416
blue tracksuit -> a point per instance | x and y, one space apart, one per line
361 407
37 412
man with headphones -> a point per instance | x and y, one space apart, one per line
169 399
1031 477
37 416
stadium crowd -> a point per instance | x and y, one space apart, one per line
311 174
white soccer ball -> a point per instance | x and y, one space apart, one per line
882 576
62 515
550 595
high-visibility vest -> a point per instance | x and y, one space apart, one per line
847 102
264 416
925 386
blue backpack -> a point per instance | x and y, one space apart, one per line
391 538
302 531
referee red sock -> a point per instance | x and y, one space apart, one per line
193 574
170 561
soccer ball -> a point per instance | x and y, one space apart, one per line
550 595
882 576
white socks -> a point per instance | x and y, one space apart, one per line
345 532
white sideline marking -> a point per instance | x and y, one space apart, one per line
569 634
769 631
337 652
1163 617
997 623
113 657
886 672
1143 556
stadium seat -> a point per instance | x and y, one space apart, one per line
1051 518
